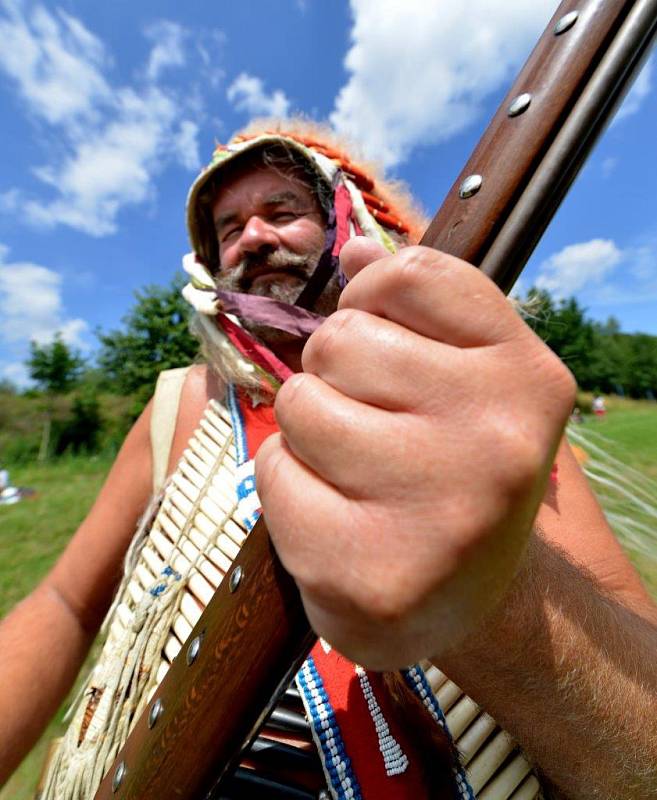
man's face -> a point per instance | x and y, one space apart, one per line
270 231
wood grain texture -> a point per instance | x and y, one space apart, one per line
512 147
253 641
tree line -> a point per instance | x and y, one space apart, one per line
154 336
73 406
600 356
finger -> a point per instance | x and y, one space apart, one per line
338 437
326 543
293 499
358 253
381 363
436 295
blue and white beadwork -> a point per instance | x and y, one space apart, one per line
394 758
418 682
326 732
248 502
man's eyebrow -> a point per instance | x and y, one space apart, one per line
225 219
282 197
277 199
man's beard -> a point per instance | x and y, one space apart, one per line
295 270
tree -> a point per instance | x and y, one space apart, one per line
565 329
156 337
599 355
55 367
80 432
642 366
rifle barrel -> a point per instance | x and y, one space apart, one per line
521 170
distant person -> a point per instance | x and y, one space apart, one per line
598 406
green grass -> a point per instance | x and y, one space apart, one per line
34 532
631 428
628 432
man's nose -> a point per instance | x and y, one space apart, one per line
258 235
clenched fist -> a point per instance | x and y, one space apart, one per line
414 451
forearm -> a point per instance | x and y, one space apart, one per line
43 647
569 672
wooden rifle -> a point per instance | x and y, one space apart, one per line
207 707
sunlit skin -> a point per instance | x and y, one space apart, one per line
262 211
400 502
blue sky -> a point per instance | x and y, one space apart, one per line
109 109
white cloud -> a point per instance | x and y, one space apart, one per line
112 170
168 49
55 62
640 90
643 262
186 144
419 71
31 307
247 93
579 266
112 141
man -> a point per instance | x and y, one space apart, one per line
404 509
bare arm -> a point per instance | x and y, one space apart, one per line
46 637
566 662
417 450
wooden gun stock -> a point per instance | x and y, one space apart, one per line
207 707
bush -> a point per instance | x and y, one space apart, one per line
80 432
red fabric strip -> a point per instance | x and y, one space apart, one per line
253 350
343 208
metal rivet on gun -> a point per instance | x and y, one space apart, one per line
155 713
566 22
193 650
471 185
235 578
519 105
119 775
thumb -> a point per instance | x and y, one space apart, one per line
358 253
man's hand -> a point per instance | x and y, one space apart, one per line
414 452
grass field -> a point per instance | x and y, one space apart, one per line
33 532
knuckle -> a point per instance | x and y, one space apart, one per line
520 454
291 397
331 339
422 268
418 263
556 381
420 260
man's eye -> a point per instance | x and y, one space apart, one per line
284 216
229 234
